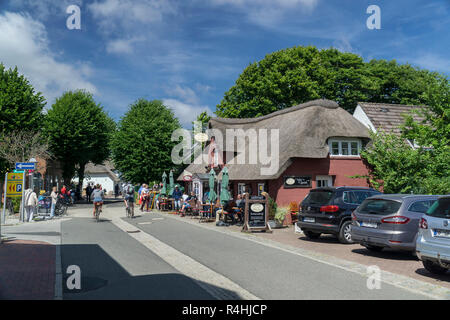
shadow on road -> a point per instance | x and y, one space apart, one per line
426 273
387 254
103 278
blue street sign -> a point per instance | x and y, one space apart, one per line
25 165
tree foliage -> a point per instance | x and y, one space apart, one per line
79 132
300 74
20 107
401 169
141 147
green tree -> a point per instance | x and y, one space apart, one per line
20 106
79 132
300 74
141 146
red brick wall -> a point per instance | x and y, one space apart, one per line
339 168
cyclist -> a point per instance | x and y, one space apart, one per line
128 192
98 195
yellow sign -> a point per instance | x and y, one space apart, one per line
14 185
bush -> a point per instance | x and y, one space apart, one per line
293 206
281 213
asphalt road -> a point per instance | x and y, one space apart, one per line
116 264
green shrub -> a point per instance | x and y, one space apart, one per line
272 208
281 213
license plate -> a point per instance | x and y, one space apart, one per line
306 219
441 233
368 225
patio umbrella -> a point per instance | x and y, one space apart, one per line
164 189
171 183
212 193
224 194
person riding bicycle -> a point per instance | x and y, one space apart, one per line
98 195
129 195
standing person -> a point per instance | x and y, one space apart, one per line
31 201
144 196
176 195
98 196
88 193
116 190
54 196
128 197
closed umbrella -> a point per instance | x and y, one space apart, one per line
224 194
171 183
164 189
212 193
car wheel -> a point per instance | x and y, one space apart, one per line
345 235
434 267
311 235
374 248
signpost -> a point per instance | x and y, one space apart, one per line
256 214
25 165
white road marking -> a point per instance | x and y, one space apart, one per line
144 223
213 282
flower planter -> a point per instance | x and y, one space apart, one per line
275 224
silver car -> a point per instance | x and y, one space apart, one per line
433 239
389 221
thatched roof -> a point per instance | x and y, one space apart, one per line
101 169
303 133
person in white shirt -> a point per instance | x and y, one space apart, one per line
31 201
54 196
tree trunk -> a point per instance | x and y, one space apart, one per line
80 172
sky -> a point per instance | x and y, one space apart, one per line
188 53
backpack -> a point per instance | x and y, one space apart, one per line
130 189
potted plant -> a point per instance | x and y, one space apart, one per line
272 212
280 217
293 209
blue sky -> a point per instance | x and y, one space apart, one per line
189 53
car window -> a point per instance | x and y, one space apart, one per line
440 209
379 206
357 197
321 197
421 206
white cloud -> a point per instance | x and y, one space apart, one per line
267 12
186 113
24 43
114 14
122 45
430 61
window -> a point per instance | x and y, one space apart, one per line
345 147
440 209
421 206
324 181
260 188
241 188
379 206
357 197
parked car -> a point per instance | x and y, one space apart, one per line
328 210
390 221
433 239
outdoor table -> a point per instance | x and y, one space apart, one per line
210 211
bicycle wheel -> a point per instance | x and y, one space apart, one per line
132 210
97 213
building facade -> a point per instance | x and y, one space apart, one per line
286 153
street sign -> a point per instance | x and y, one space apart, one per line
14 187
25 165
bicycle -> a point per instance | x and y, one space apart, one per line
60 207
97 211
130 209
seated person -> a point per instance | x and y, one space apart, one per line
186 202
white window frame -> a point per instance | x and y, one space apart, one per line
340 141
324 178
240 185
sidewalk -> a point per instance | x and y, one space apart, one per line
27 270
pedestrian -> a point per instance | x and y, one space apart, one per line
176 195
144 197
88 193
31 202
116 190
54 196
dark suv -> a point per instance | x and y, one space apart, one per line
328 210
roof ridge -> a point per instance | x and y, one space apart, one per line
392 104
318 102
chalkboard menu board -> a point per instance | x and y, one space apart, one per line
297 182
257 215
